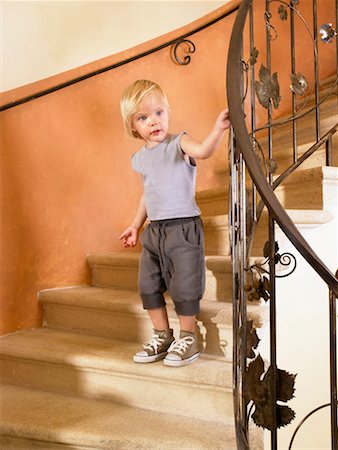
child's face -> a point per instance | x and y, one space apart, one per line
151 120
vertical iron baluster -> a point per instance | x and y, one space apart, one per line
293 72
253 107
243 255
273 331
242 280
268 64
272 256
316 70
333 369
235 304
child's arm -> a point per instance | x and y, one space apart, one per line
204 149
130 234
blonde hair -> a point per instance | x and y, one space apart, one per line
131 99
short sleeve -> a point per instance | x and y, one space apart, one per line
134 163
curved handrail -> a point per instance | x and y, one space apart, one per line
234 68
118 64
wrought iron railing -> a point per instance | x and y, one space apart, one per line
257 390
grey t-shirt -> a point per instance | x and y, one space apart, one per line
169 180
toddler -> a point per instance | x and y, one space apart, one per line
172 257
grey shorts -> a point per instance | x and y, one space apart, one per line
172 260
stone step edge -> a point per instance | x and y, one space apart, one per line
107 425
126 260
118 364
325 173
299 217
283 153
212 312
129 260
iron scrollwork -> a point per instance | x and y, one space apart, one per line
257 380
189 47
259 287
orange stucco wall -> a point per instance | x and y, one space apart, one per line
68 188
67 185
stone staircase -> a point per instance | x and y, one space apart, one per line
72 384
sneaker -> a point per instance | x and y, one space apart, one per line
156 348
184 351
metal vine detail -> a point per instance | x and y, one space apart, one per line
189 48
257 391
299 85
257 381
268 88
259 285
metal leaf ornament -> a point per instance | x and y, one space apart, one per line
267 88
282 11
267 251
299 85
257 390
252 340
253 56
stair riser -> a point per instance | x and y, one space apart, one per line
115 277
165 396
217 286
214 339
217 240
213 206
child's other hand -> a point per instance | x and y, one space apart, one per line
129 236
223 121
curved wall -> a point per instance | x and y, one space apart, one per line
68 188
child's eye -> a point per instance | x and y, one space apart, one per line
160 112
142 118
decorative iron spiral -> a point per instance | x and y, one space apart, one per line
189 48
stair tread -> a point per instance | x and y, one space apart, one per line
128 302
308 174
86 352
297 215
97 424
127 260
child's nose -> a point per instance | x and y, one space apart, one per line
153 119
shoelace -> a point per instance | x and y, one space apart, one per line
181 345
154 343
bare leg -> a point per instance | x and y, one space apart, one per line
159 319
187 323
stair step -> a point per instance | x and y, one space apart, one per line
213 202
119 314
303 219
312 188
216 230
120 271
101 368
315 188
32 419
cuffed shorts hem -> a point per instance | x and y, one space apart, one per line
153 301
187 307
